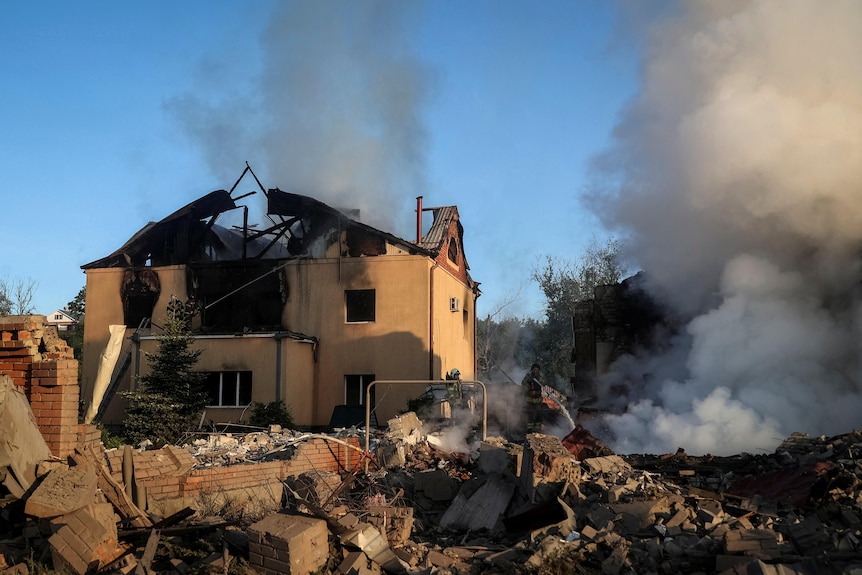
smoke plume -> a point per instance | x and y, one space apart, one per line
334 112
736 177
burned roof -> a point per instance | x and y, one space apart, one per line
298 226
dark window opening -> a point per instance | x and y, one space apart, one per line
238 297
228 388
453 250
465 322
360 305
355 388
139 292
363 243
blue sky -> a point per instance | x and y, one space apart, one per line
111 113
727 133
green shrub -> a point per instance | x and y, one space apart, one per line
109 440
275 412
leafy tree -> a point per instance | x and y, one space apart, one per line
565 283
16 297
76 306
172 395
75 337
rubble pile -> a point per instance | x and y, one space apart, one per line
543 505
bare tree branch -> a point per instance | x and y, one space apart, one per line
16 296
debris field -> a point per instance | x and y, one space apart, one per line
542 505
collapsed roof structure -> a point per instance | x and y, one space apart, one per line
342 303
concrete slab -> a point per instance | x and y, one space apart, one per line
63 491
482 510
22 446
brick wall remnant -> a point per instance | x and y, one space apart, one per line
44 366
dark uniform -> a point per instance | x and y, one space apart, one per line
532 388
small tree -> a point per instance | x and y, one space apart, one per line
75 337
16 297
5 302
172 395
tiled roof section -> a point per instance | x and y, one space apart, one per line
439 232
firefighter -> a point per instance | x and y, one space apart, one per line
454 393
532 388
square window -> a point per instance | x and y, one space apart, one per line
355 387
228 388
360 304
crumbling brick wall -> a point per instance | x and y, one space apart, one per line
44 366
176 480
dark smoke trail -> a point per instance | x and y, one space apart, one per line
335 113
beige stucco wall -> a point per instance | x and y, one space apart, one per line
395 346
454 331
415 335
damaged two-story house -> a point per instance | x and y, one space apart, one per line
308 310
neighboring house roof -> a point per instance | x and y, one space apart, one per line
66 317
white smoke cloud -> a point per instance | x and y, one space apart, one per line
736 177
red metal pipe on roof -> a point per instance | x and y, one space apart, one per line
418 219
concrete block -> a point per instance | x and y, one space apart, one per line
64 490
368 538
396 521
357 563
608 464
349 520
679 517
390 455
709 512
303 539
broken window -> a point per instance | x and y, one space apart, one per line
363 243
228 388
140 291
238 296
361 305
355 388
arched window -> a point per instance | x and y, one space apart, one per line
453 250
